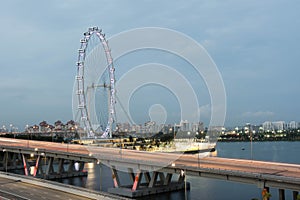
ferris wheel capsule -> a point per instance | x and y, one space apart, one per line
84 40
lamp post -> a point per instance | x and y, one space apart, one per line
197 133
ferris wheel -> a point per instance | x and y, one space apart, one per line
94 87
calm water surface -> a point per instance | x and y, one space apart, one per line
210 189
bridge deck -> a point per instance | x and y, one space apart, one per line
261 173
13 186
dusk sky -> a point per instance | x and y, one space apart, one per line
255 45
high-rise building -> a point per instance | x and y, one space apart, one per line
279 125
292 125
271 126
197 126
267 126
184 125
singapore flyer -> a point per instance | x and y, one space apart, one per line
94 87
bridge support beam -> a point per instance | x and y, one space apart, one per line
41 166
65 169
115 177
144 183
10 161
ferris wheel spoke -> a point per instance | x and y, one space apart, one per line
95 70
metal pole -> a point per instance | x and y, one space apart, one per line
185 192
198 156
100 176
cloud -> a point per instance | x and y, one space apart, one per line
252 44
258 114
205 112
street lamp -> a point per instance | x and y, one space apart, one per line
197 133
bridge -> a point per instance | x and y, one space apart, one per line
150 172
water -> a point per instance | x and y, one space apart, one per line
210 189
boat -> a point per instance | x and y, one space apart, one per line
187 146
193 146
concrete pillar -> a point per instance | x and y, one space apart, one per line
36 167
14 160
71 167
50 169
295 194
137 181
147 177
61 168
131 174
81 166
25 164
168 179
181 176
281 194
153 179
115 177
6 161
162 178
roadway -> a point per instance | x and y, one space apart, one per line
18 187
15 189
161 159
172 162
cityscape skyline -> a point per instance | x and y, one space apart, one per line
254 45
152 126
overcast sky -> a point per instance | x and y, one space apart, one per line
255 45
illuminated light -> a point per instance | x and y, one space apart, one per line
79 78
31 155
173 165
90 154
83 40
36 149
182 172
